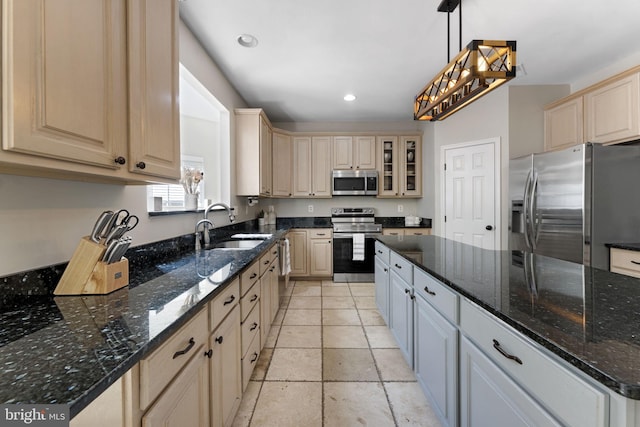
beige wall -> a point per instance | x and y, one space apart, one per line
41 220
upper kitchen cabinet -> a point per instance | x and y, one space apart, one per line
85 95
612 111
354 152
282 152
312 166
154 116
607 112
399 166
253 152
563 123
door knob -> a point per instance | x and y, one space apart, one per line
489 228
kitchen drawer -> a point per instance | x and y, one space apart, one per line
625 262
320 233
248 301
393 231
250 328
161 366
249 361
249 277
382 252
402 267
224 303
266 259
571 399
417 231
437 294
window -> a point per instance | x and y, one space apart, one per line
204 145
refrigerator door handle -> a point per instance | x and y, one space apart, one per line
533 211
525 212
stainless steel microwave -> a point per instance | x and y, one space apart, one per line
354 183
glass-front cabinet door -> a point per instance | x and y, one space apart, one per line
387 159
411 166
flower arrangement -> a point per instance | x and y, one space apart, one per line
191 179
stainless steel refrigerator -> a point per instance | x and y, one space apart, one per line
568 204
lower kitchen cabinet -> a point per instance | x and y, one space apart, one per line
435 357
488 397
311 252
382 287
186 402
401 314
225 369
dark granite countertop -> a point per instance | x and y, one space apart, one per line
69 349
588 317
628 246
398 222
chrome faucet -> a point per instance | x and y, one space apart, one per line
200 240
209 224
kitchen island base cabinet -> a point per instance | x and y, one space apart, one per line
435 356
382 288
401 315
488 397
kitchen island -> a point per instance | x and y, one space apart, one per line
583 319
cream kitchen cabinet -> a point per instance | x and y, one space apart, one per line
103 90
612 110
399 165
320 248
298 253
269 297
624 261
282 152
253 152
354 152
563 124
312 166
406 231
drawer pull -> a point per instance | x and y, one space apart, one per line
266 261
187 348
253 276
321 234
385 270
219 339
231 299
209 353
398 266
272 268
379 251
255 357
496 345
253 298
635 262
429 291
253 327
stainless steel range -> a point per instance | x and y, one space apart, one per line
354 231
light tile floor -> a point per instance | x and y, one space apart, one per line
330 360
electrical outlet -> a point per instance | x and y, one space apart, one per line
310 208
400 208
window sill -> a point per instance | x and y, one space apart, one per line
175 212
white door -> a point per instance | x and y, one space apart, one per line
470 194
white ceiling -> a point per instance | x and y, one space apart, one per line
312 52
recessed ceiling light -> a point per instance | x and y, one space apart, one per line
349 97
247 40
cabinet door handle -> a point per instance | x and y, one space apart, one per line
496 345
253 298
120 160
406 291
141 165
272 268
429 291
385 270
186 349
253 276
220 339
209 353
379 251
253 327
398 266
266 262
321 234
231 299
255 357
635 262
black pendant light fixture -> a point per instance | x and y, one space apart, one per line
480 67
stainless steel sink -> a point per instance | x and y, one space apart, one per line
237 244
252 236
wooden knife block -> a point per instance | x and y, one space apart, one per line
86 274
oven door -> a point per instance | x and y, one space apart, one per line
345 269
